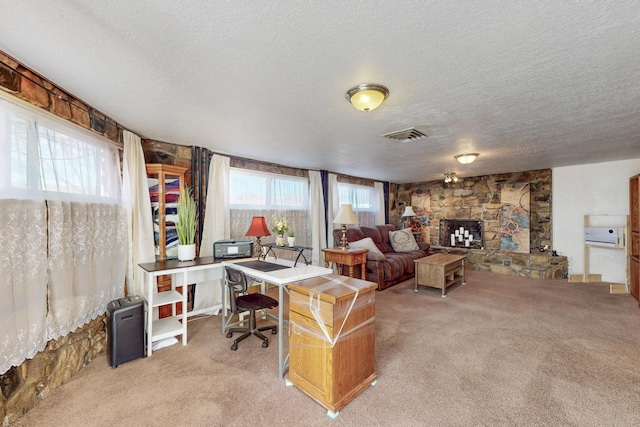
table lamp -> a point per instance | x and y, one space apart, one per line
345 216
408 213
258 229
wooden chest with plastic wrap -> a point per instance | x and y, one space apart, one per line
332 339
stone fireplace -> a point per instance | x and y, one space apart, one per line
462 233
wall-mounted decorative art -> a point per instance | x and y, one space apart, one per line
421 202
515 226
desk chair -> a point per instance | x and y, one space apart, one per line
240 301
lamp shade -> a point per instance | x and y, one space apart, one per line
345 215
408 211
368 96
258 227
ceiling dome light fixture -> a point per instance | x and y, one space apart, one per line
367 96
466 158
450 177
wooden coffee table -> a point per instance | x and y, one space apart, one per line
440 271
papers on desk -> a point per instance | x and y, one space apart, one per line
262 265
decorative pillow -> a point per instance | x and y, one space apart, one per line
367 243
403 240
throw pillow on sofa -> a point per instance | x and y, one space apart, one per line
403 240
367 243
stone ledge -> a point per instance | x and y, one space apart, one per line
534 266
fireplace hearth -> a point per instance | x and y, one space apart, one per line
462 233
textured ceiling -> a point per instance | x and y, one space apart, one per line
528 85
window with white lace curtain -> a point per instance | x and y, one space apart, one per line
254 193
362 199
63 230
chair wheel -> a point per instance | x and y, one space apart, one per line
229 334
234 346
265 343
274 331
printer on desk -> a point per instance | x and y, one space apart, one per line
226 249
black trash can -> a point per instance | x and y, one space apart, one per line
125 330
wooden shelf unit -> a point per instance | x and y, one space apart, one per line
164 186
634 237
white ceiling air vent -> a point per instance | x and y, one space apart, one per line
406 135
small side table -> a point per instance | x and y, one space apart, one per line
350 257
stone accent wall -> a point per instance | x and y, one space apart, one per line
23 386
533 266
255 165
23 83
479 198
166 153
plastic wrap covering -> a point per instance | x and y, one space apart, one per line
332 338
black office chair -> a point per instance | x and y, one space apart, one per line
240 302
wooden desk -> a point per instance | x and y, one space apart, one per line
350 257
439 271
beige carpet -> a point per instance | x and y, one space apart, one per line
499 351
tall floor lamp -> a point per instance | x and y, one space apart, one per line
258 229
345 216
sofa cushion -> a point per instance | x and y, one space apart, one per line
403 240
380 236
367 243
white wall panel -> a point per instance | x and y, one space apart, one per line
597 189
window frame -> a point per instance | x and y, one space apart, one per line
31 182
356 187
269 178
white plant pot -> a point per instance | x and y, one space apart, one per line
291 240
187 252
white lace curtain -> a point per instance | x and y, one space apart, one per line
63 230
86 266
23 290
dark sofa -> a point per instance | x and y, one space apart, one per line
397 267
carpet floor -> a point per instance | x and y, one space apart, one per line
499 351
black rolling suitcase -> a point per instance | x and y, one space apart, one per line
125 330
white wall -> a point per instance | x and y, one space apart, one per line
596 189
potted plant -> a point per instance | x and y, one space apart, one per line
280 227
292 238
186 225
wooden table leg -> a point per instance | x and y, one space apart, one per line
351 271
464 273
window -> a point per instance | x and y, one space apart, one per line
64 229
255 190
361 198
47 158
264 194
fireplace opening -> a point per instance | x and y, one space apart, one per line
462 233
